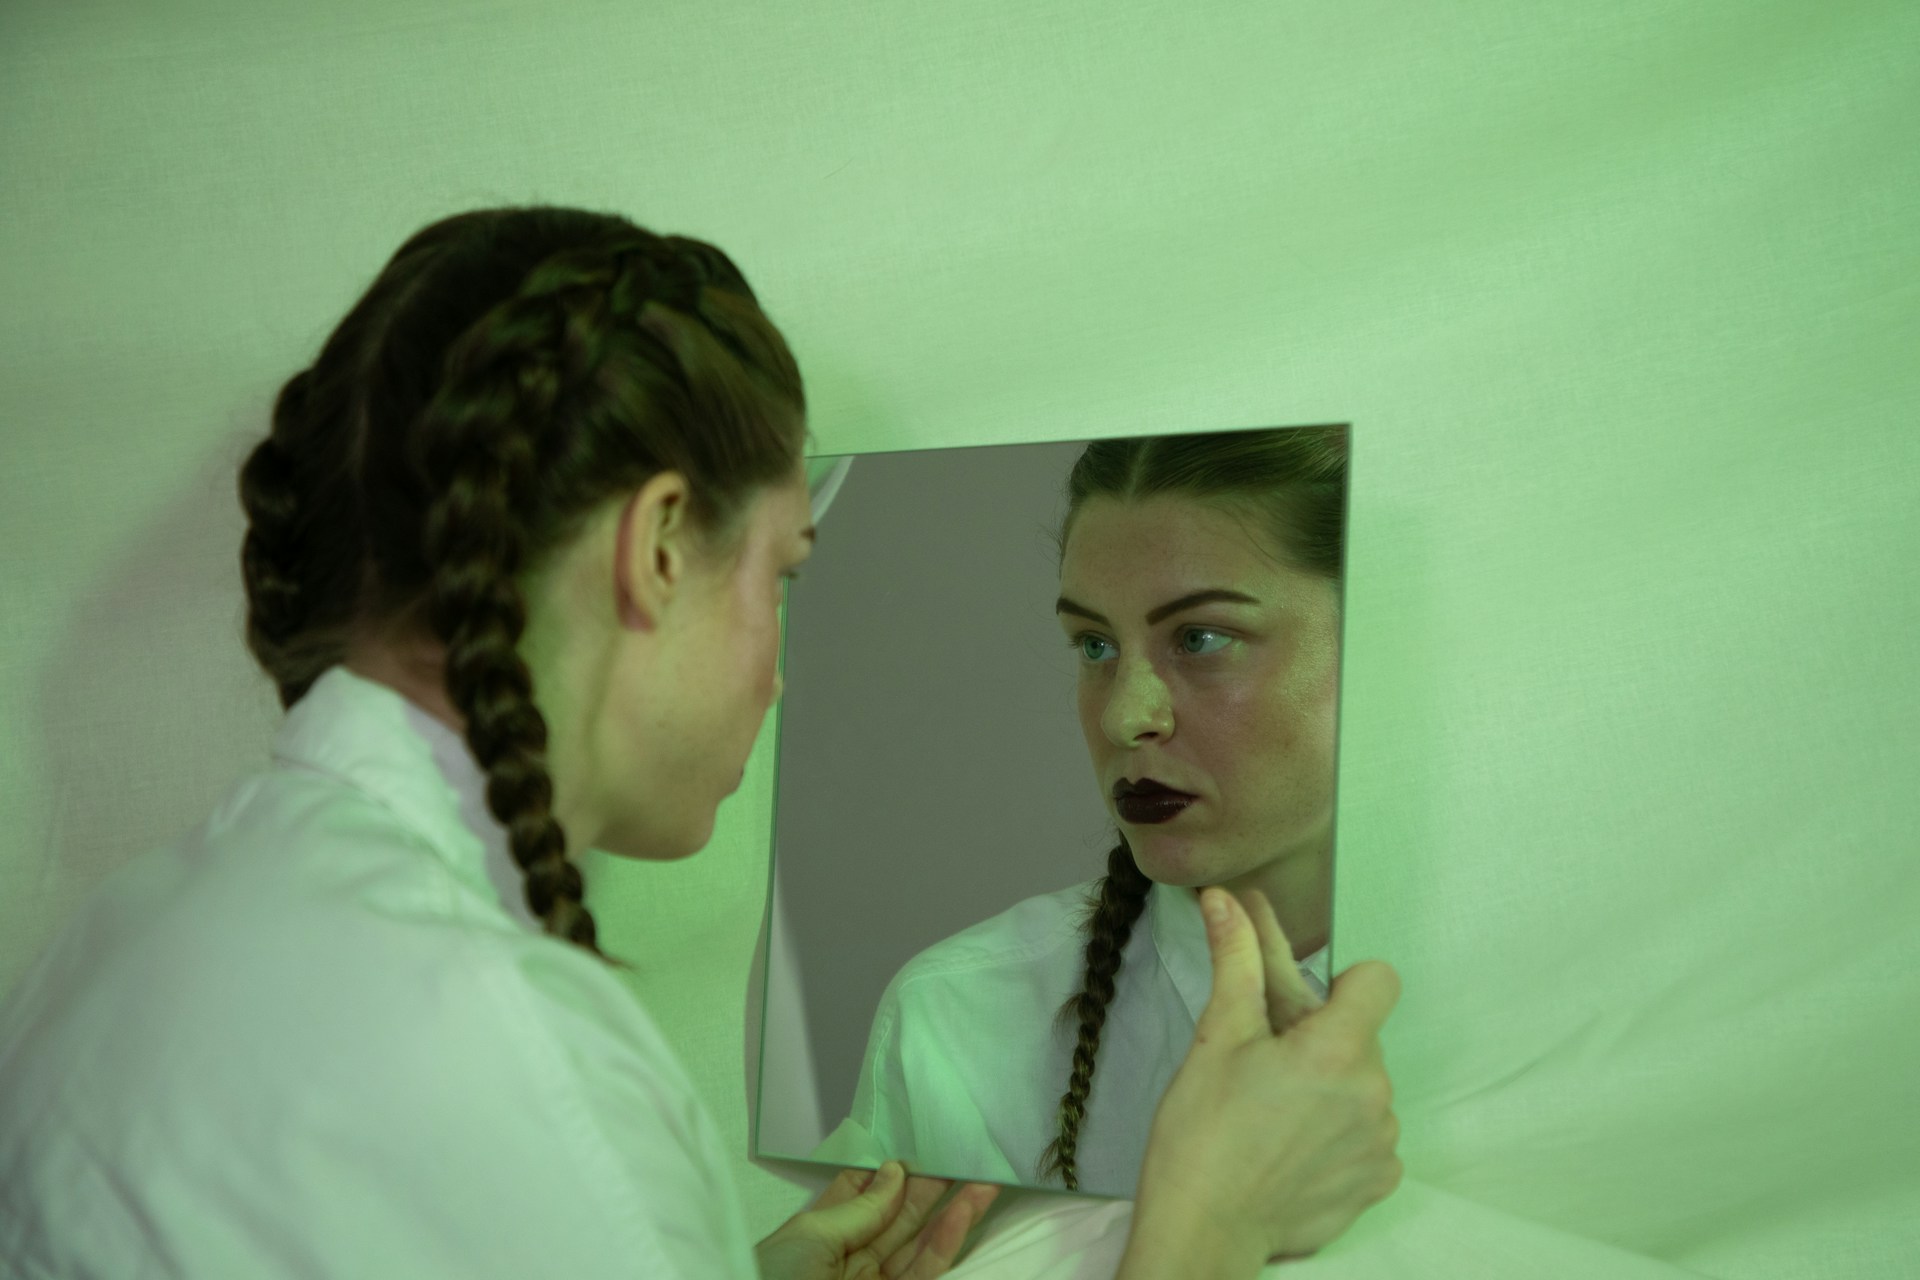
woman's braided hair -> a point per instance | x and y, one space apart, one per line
508 373
1291 484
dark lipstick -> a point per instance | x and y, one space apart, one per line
1148 801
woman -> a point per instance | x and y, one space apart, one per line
514 564
1230 699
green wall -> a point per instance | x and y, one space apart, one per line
1614 295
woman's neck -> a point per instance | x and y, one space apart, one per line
1300 888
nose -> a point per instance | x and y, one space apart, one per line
779 686
1137 705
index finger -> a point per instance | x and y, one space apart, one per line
934 1252
922 1195
1289 998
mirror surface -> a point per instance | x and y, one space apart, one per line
960 906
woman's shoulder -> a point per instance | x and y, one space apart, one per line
1031 932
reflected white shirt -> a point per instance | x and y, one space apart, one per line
322 1035
967 1059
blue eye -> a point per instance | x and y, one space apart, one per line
1202 631
1081 640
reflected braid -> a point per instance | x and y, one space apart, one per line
1116 906
479 452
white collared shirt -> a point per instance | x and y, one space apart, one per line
322 1035
966 1059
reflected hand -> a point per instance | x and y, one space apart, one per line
867 1226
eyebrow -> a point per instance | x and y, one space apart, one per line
1064 605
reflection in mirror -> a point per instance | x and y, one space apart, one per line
985 956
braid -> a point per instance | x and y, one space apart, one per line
1115 907
505 377
479 456
273 553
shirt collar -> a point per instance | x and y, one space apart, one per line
1180 936
373 738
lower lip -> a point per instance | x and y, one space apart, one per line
1147 810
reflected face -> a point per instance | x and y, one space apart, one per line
1231 700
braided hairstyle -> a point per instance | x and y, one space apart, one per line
1292 483
509 372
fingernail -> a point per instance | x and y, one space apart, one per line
1215 907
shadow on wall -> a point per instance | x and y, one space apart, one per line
152 707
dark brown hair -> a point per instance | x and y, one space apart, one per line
509 372
1291 485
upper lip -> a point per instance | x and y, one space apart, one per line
1144 786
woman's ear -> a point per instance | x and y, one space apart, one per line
650 554
626 608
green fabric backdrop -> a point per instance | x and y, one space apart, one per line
1615 296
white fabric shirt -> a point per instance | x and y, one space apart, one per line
966 1059
322 1036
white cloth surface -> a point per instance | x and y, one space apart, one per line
323 1036
1419 1233
967 1057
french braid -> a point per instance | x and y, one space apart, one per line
508 372
484 465
274 552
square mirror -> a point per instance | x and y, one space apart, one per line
985 955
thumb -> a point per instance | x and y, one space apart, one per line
1236 1012
854 1222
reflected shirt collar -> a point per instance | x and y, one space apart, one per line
373 738
1180 936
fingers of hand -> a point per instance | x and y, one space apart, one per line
922 1194
980 1197
884 1188
849 1183
935 1249
846 1227
1289 998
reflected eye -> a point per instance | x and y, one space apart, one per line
1081 641
1201 631
1085 638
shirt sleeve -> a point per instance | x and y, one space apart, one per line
882 1114
916 1100
486 1115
